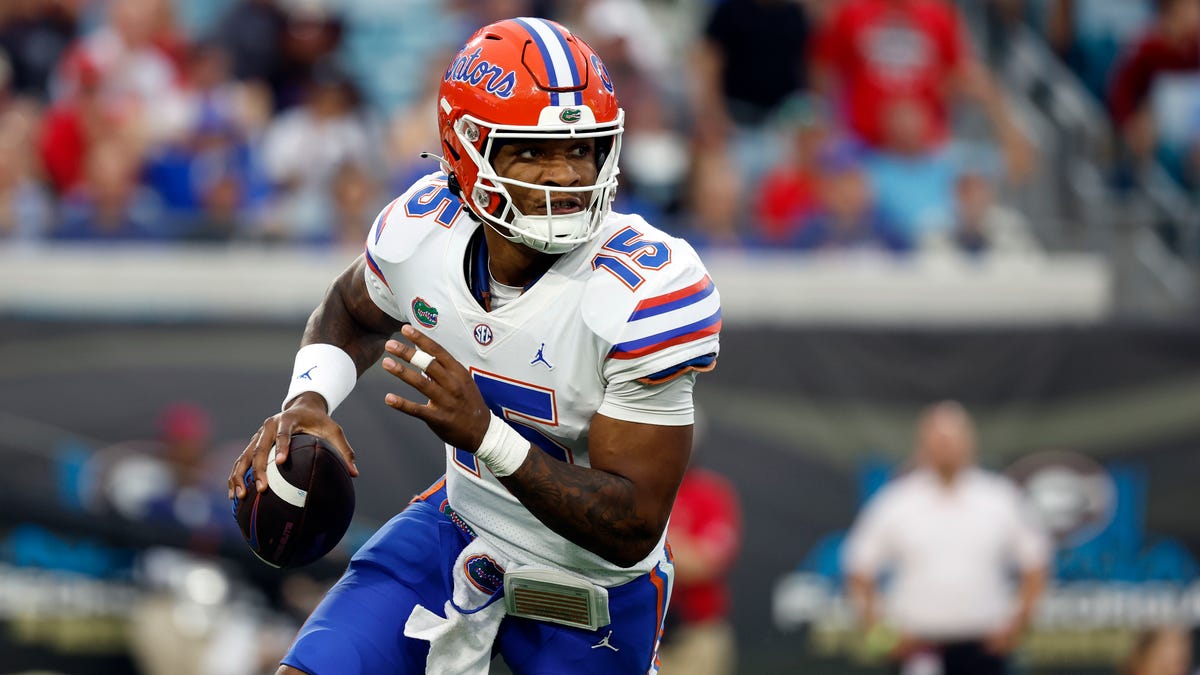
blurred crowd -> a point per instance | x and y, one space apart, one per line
806 124
194 602
1141 59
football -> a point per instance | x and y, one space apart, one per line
306 508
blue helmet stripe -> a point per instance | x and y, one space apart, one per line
542 47
556 54
575 81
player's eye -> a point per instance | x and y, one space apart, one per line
529 152
581 150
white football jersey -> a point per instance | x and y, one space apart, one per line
633 303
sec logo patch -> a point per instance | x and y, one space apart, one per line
483 334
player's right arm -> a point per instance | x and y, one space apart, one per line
349 320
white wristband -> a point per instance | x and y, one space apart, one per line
502 449
326 370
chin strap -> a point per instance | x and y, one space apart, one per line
544 223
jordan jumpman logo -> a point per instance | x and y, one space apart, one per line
540 358
605 643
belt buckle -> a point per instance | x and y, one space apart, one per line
557 597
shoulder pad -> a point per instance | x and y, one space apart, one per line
424 210
644 283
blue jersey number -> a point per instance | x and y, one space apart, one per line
434 198
634 252
515 401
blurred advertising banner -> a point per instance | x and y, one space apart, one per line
115 533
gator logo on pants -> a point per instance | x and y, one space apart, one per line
485 573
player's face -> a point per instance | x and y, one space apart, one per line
568 162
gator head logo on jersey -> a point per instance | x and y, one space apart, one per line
529 78
485 573
424 313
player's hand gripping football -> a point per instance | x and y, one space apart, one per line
305 414
456 411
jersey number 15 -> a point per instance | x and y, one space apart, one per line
629 253
513 401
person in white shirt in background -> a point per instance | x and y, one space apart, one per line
981 225
951 535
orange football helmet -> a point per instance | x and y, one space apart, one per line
529 78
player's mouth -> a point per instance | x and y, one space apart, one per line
562 206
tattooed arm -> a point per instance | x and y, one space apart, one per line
619 507
346 318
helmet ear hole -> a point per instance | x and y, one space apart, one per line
451 150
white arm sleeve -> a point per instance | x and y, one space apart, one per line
666 404
866 548
1032 547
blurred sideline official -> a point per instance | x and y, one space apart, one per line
950 534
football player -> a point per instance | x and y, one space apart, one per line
552 344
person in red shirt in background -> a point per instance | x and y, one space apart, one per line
704 533
788 194
874 55
1171 45
71 126
113 84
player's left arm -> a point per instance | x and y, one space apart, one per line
617 508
